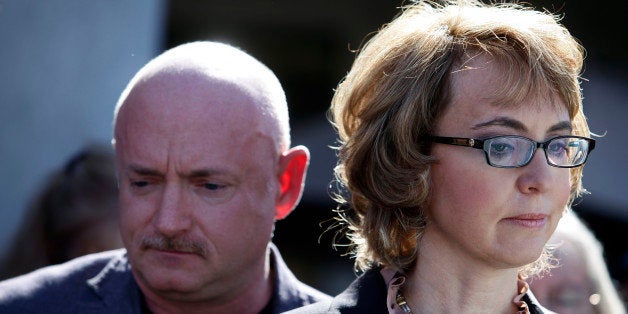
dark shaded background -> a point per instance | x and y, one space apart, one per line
308 44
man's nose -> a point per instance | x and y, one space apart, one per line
172 216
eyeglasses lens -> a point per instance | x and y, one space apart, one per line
509 151
567 151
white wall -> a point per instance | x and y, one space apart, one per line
63 64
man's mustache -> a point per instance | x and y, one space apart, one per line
177 244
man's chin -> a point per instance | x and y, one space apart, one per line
176 284
169 270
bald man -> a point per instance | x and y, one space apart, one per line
205 169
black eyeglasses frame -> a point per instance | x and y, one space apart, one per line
479 144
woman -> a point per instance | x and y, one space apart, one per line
462 140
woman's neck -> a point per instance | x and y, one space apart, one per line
445 281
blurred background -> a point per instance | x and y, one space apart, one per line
63 64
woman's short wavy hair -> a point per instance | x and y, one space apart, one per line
398 87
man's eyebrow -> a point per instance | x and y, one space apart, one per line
206 172
141 170
202 173
502 121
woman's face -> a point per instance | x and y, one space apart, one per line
497 217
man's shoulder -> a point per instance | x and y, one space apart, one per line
290 292
309 295
367 294
55 287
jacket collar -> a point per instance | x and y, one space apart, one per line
115 285
288 291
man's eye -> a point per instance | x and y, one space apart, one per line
212 186
139 184
214 192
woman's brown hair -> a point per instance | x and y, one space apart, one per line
398 87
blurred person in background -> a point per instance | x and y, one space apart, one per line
580 283
74 214
462 141
205 169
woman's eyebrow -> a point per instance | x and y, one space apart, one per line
502 121
517 125
561 126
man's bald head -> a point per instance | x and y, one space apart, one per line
224 67
205 168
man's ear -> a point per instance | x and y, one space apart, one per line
292 168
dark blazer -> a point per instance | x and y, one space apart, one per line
103 283
367 294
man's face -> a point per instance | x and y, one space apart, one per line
198 186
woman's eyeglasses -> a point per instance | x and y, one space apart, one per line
512 151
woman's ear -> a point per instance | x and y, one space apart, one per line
293 165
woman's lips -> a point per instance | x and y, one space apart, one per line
528 220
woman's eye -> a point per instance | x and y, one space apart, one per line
501 148
557 148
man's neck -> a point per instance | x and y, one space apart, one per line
250 297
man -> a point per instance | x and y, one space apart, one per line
205 168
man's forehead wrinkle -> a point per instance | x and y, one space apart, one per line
235 68
234 65
240 84
198 94
184 75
